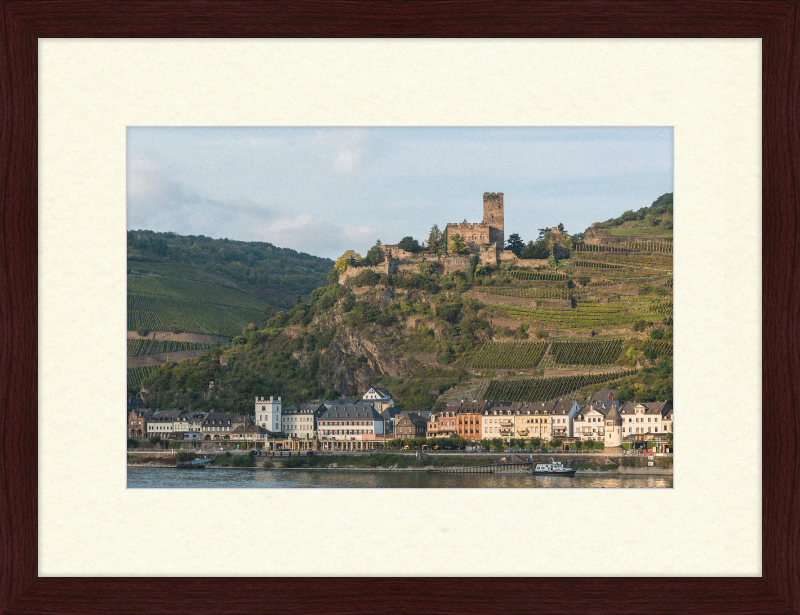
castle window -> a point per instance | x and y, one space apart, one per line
474 237
482 237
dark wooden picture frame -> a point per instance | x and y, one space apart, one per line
776 22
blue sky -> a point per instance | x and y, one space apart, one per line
326 190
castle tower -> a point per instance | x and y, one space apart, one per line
493 217
268 414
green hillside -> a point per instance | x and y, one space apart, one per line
595 318
267 274
196 284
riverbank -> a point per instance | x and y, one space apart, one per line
389 462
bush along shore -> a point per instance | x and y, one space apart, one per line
395 462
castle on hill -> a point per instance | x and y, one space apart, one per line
479 235
486 239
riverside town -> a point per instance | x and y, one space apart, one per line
470 358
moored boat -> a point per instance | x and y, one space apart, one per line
194 464
554 468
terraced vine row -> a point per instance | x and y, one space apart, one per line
142 348
601 316
509 355
545 389
529 293
594 352
650 246
664 308
164 314
590 247
662 347
536 275
596 264
137 374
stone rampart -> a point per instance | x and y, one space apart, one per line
388 266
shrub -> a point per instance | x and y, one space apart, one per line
293 462
267 465
541 334
242 461
142 332
133 443
657 334
154 440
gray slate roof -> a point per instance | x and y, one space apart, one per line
304 409
346 412
602 395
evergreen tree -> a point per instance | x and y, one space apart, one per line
435 238
515 244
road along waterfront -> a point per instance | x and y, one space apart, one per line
255 478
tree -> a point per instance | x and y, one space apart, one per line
584 280
343 262
561 228
544 233
435 239
299 299
333 276
515 244
540 249
409 244
375 254
458 246
625 394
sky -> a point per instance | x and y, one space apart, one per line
326 190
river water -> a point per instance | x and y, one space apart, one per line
245 478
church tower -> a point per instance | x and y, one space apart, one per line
493 217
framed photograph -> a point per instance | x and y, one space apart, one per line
68 518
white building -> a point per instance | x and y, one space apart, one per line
562 418
162 423
380 398
268 414
646 418
360 422
300 420
589 423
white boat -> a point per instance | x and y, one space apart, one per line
554 468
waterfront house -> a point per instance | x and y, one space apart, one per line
137 421
529 421
220 425
300 420
468 418
589 423
161 423
410 425
189 425
498 422
357 422
561 418
644 417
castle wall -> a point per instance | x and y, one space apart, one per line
455 263
474 234
507 256
389 266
